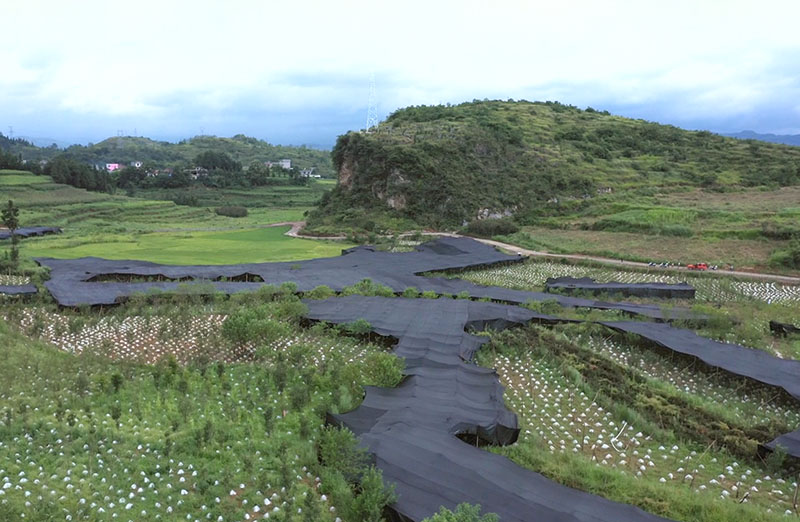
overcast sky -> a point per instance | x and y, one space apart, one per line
297 72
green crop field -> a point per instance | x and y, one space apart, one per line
230 433
158 230
281 196
10 178
186 248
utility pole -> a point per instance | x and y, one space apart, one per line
372 107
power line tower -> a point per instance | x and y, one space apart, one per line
372 107
11 132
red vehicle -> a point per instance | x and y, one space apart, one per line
698 266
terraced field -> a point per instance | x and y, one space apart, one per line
561 419
150 339
713 289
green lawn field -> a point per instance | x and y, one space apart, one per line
156 229
188 248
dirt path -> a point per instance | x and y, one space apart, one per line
298 225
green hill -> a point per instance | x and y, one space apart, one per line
161 153
444 166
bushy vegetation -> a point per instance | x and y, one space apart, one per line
9 160
462 513
204 438
444 165
10 220
65 169
235 212
491 227
788 257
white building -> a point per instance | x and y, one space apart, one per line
284 163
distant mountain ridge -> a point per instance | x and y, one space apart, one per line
785 139
127 149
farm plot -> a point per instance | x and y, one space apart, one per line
14 280
534 274
86 438
737 397
154 338
189 248
560 419
104 465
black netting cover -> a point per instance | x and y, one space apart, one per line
74 281
411 429
18 289
783 328
734 358
30 232
589 285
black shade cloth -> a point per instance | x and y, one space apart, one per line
783 328
18 289
734 358
411 429
589 285
73 283
30 232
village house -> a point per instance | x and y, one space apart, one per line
198 172
284 163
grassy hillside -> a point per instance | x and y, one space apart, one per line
556 167
441 166
161 153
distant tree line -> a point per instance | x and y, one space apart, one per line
64 169
9 160
209 168
161 154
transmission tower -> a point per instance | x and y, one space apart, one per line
372 108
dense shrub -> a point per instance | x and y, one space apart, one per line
492 227
231 211
253 324
463 513
64 169
788 257
190 200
